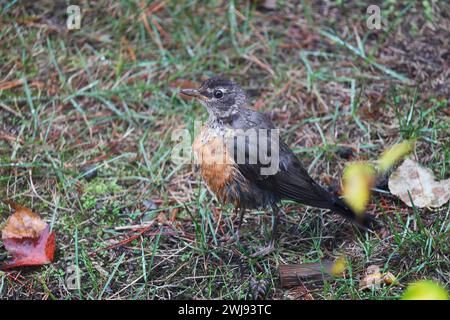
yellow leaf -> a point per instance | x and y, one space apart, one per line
357 181
425 290
394 154
339 266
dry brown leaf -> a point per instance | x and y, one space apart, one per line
374 278
420 182
371 281
23 223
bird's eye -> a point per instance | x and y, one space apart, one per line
218 94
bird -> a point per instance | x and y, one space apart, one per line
232 162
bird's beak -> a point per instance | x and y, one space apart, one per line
192 93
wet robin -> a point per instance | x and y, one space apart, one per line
244 163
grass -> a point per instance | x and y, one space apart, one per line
86 118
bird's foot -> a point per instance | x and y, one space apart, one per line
264 251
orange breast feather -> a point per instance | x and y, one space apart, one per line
216 164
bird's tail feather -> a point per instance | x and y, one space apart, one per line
362 220
337 205
298 186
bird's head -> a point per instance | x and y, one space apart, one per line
221 97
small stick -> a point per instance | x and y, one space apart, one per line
292 274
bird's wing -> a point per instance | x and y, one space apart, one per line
290 180
256 144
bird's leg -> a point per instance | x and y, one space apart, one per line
274 234
276 222
237 234
239 214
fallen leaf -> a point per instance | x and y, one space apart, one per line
371 281
358 179
27 238
425 290
23 223
373 269
374 278
339 266
421 185
394 154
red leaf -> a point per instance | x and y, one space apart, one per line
27 238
